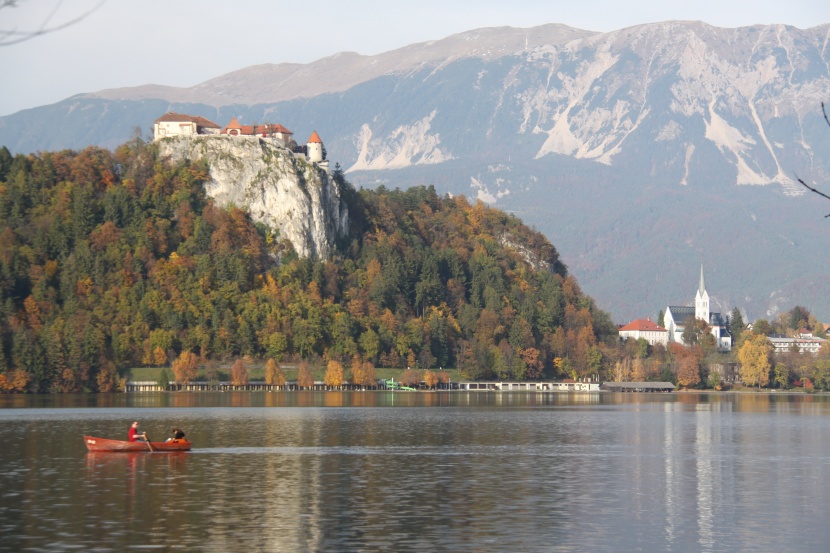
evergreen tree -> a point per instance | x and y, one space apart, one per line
736 323
5 163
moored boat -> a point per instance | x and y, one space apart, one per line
104 444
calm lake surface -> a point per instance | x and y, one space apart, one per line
384 471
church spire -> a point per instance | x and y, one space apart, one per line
702 300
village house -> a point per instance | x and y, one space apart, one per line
646 329
179 124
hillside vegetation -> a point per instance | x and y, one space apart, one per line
111 260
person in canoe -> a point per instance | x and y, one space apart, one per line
134 436
178 435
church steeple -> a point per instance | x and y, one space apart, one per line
702 300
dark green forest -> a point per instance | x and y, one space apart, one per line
116 259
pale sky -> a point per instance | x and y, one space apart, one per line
186 42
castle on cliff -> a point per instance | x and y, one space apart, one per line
179 124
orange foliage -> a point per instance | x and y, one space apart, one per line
185 367
15 381
430 378
32 313
304 377
159 357
104 235
273 373
239 373
688 372
410 377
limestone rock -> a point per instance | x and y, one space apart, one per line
277 188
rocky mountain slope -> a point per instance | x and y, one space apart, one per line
640 153
286 193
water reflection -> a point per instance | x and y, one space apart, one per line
434 472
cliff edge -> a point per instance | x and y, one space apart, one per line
278 189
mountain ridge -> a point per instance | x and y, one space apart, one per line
677 130
335 73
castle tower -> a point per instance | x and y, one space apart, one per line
702 300
233 128
315 148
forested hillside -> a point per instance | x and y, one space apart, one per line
112 260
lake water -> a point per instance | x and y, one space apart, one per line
366 471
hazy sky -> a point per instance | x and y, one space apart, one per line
185 42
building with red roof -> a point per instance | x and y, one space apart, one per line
181 124
647 329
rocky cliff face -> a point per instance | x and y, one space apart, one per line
286 193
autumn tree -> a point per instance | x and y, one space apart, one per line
363 372
688 371
304 377
273 373
754 358
638 370
430 378
159 356
334 374
622 370
239 373
410 377
185 367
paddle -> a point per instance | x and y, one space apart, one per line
148 441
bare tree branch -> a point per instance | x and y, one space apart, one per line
804 184
811 189
14 36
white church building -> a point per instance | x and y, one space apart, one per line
675 319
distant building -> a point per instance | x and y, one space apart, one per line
276 132
804 344
676 316
180 124
646 329
315 148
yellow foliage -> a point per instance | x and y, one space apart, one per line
334 374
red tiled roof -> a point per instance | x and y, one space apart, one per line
251 130
315 138
279 128
173 117
643 325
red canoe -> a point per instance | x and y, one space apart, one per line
103 444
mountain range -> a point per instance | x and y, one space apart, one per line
641 153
